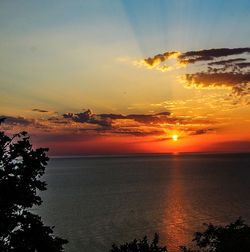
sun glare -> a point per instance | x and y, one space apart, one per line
175 137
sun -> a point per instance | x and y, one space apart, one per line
175 137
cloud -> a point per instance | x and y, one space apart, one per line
40 110
154 118
202 131
238 82
243 64
156 62
106 120
159 58
226 62
230 73
88 117
112 116
210 54
191 57
155 124
220 68
166 113
138 133
188 132
144 119
11 120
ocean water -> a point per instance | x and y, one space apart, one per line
95 201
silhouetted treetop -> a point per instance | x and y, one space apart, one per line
234 237
21 168
140 246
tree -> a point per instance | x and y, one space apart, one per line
21 168
234 237
140 246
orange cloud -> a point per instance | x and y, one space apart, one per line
159 58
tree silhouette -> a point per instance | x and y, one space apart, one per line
140 246
21 168
234 237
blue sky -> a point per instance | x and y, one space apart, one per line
159 22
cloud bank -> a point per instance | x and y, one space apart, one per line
214 68
157 125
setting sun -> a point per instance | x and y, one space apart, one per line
175 137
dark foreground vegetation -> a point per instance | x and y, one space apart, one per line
234 237
21 168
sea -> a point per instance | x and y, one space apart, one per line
95 201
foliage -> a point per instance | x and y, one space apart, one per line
234 237
140 246
21 168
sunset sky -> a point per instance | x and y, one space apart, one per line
118 77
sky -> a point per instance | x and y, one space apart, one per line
126 76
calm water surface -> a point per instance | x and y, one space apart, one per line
99 200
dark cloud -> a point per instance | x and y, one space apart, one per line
232 73
106 120
210 54
243 64
238 82
112 116
166 113
88 117
190 132
226 62
142 118
134 132
11 120
202 131
156 124
192 57
57 120
40 110
220 69
232 65
88 125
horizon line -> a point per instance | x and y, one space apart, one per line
149 154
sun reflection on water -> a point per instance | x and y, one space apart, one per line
177 231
